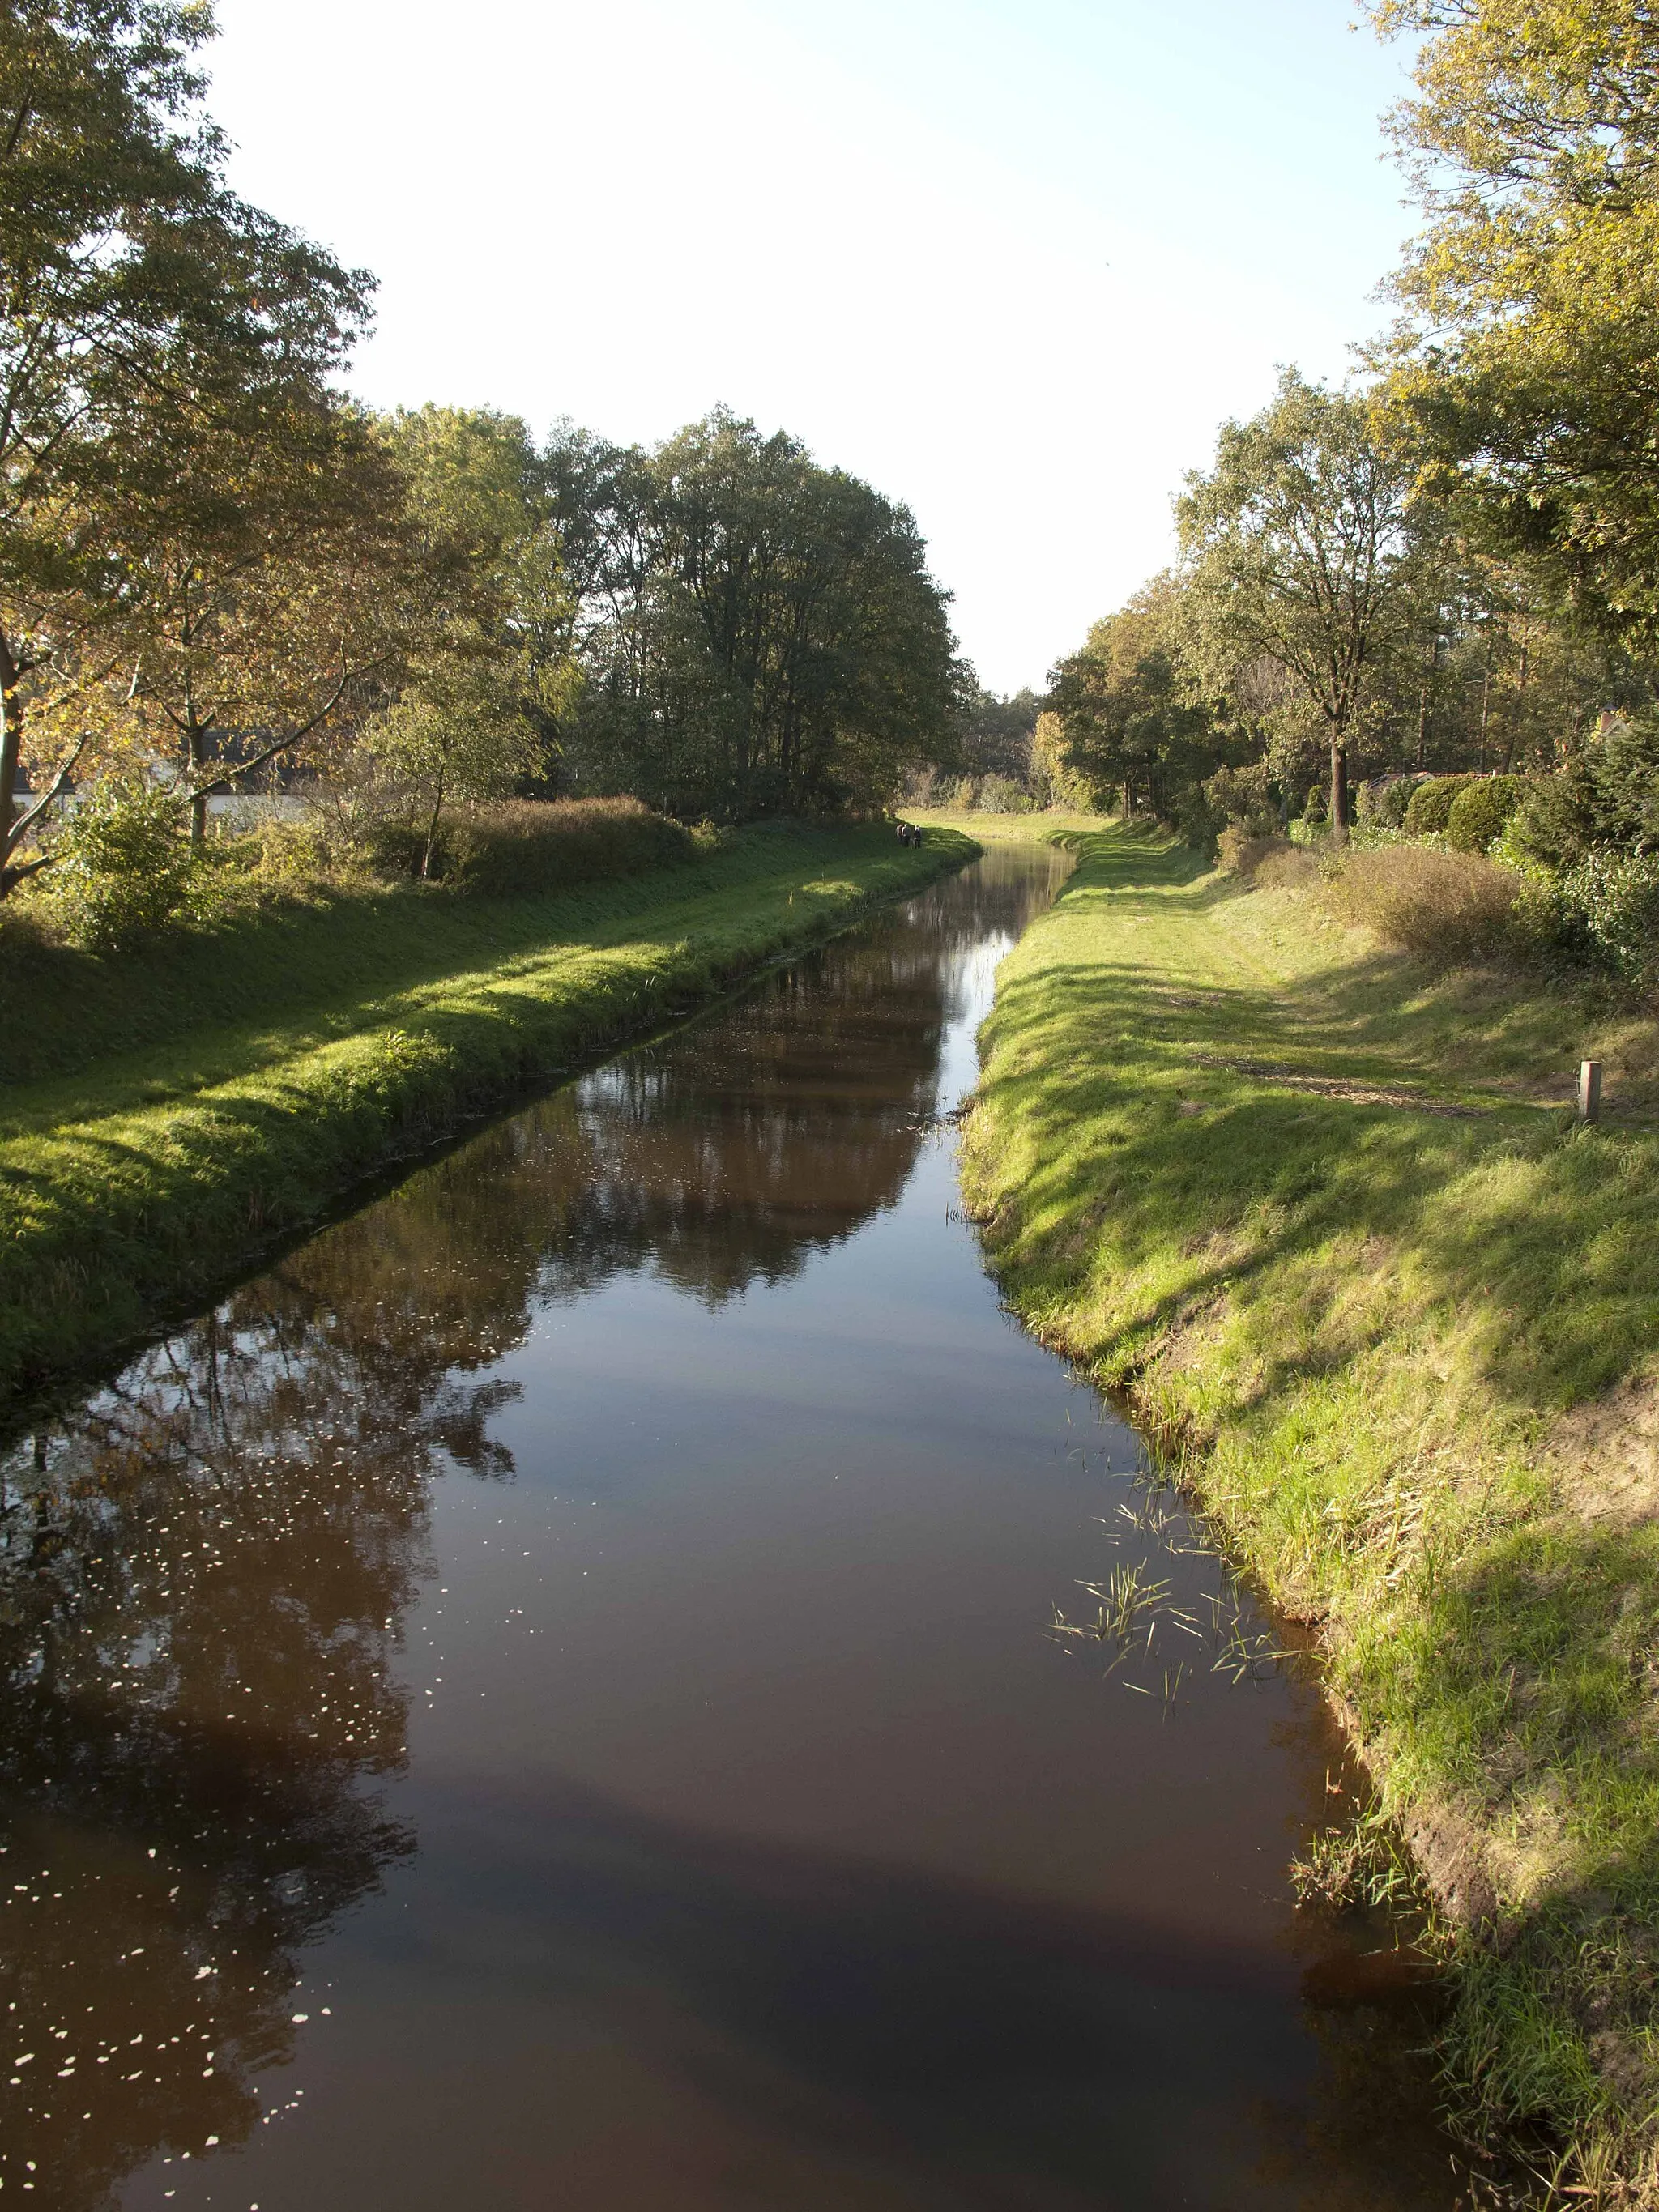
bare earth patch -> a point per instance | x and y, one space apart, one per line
1604 1454
1324 1086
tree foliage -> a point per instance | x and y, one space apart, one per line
1530 356
1135 726
483 621
139 299
1605 794
997 733
758 634
255 570
1304 548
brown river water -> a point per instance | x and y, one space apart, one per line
548 1698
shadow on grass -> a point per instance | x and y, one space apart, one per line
232 989
1338 1267
1167 1175
1525 1679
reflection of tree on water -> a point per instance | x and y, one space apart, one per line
724 1155
203 1570
200 1578
734 1151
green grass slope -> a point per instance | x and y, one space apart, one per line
1327 1219
196 1105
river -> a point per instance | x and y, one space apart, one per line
550 1697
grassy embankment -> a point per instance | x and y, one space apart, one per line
180 1111
1326 1216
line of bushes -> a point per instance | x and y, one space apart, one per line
125 870
1600 916
510 848
1561 868
129 1190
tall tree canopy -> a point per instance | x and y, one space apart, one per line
1303 547
997 733
759 634
1134 726
487 620
139 301
1530 352
253 574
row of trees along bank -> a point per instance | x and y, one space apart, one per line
215 565
1452 564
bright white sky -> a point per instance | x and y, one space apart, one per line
1010 260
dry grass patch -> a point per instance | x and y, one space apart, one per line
1446 906
1238 852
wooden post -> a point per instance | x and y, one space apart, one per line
1589 1090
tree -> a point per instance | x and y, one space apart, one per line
1529 355
131 284
260 567
1131 714
997 732
1054 782
1303 545
1605 794
486 621
759 636
463 739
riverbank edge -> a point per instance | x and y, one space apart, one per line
116 1227
1522 2063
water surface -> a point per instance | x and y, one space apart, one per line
548 1697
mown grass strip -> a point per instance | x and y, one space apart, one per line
140 1182
1407 1358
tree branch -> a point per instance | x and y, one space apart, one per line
54 791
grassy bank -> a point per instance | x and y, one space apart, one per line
191 1106
1057 825
1326 1217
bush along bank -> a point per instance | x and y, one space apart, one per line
1324 1213
133 1183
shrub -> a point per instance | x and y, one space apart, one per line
1241 852
1449 906
397 848
295 853
1317 811
1431 804
1382 802
1481 811
1198 823
1000 795
515 846
1607 794
1245 796
122 866
1608 906
1287 868
1553 824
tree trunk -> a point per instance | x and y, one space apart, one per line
432 834
1422 725
196 740
197 796
11 747
1339 786
1486 710
1514 719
